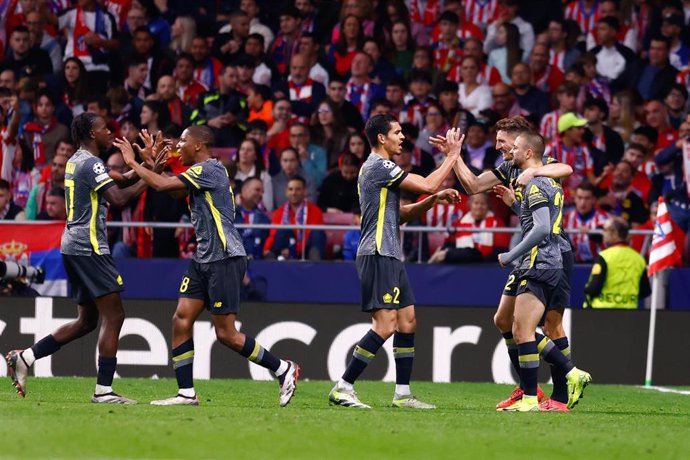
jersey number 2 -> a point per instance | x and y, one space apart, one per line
558 201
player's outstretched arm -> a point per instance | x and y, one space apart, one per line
416 210
13 126
153 154
553 170
452 144
540 230
470 182
155 180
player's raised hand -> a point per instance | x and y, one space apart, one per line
525 177
126 150
147 152
454 139
161 158
449 195
506 194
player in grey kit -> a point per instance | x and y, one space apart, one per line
386 291
93 278
214 277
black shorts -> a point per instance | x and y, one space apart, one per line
218 284
561 297
91 277
511 286
541 283
384 283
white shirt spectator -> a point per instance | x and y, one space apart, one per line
526 36
477 100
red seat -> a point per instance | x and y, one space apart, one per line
436 240
334 238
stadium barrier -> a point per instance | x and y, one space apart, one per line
452 344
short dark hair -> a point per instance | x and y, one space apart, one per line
185 57
450 17
292 11
257 124
680 88
257 36
4 185
82 126
378 124
21 29
599 104
298 179
648 132
47 94
611 21
201 133
661 38
638 147
102 101
248 181
535 142
262 90
56 190
586 186
348 159
620 226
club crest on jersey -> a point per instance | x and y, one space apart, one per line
99 168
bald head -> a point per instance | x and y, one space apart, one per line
299 68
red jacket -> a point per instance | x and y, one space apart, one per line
314 216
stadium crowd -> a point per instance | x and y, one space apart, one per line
286 86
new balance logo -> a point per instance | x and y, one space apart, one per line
218 304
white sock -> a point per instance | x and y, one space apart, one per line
343 385
28 356
101 390
187 392
402 390
282 368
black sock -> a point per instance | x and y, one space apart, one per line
45 347
106 370
403 350
364 352
552 355
512 351
183 363
560 384
529 367
255 353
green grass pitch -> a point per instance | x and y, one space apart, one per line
240 419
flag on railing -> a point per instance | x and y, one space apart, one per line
39 246
664 253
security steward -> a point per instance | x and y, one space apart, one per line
619 274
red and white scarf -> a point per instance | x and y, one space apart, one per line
38 131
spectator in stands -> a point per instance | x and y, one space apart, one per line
619 274
245 73
74 87
604 138
383 69
570 149
166 93
507 52
566 97
297 210
339 189
207 68
656 116
584 218
100 105
672 27
55 205
418 99
249 211
251 7
250 164
656 74
336 92
615 61
435 125
25 60
36 23
358 145
137 71
227 45
310 48
159 63
154 117
532 101
37 202
622 114
627 34
505 102
478 149
187 88
360 90
647 137
329 131
546 77
488 75
474 97
279 134
44 131
289 168
8 209
621 200
257 130
224 110
91 37
471 247
362 10
254 48
182 31
304 93
676 101
448 44
312 157
286 43
9 128
260 104
561 55
635 154
455 114
509 13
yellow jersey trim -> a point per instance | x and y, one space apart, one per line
216 219
381 215
93 236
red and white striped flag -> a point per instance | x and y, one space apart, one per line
664 253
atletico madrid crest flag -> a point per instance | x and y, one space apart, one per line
664 253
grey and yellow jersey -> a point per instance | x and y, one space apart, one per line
540 192
379 200
86 178
507 172
212 205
